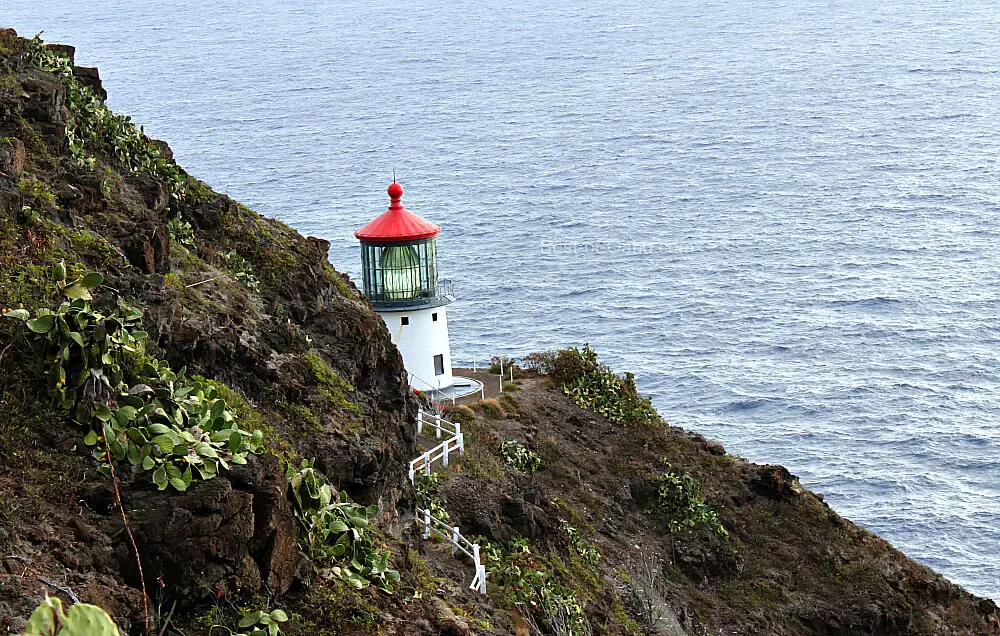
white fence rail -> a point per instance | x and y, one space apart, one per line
454 441
433 525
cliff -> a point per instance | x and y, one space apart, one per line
231 336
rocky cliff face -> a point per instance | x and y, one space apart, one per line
609 535
299 352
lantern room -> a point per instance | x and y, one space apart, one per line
399 258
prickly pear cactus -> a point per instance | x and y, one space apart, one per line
81 620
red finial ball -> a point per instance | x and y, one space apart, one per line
395 190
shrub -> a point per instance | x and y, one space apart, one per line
241 269
181 232
491 407
507 365
680 506
337 529
460 413
519 457
595 387
530 583
540 361
426 487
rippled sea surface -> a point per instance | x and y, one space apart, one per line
782 216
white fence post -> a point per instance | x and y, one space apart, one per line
427 524
454 540
444 454
437 423
420 420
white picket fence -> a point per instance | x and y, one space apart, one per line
454 440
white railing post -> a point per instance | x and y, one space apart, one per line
501 374
455 536
480 570
460 437
411 474
427 463
444 454
420 420
437 424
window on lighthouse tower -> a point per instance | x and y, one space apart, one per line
400 272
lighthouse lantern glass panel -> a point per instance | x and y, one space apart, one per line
401 271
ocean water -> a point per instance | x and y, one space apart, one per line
782 216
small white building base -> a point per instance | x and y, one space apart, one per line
421 335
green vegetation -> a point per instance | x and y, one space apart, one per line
337 529
491 407
181 232
241 269
331 385
679 504
134 406
577 546
37 190
595 387
95 131
261 623
332 604
536 586
460 413
82 619
503 362
426 486
519 457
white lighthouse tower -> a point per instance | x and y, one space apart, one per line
400 277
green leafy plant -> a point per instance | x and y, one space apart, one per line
337 529
85 350
135 407
95 130
241 269
519 457
177 427
680 505
426 487
576 545
261 623
180 232
82 619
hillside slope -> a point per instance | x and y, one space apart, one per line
595 520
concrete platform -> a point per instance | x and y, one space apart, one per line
461 387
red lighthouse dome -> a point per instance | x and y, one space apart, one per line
397 224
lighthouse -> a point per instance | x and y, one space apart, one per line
400 277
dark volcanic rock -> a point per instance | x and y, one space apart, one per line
232 533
